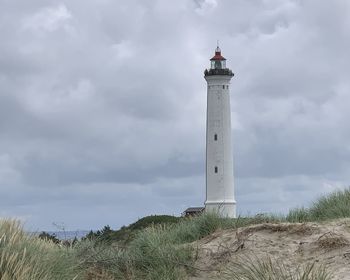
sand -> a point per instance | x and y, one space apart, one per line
295 245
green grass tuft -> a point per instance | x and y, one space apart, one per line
298 215
333 206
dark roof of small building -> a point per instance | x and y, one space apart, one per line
194 209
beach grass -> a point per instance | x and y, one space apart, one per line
26 257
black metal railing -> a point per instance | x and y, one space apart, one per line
211 72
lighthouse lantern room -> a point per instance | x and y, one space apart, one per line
218 61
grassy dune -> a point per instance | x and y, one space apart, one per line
333 206
162 251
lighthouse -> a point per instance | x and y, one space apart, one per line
219 158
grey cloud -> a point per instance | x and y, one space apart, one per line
102 105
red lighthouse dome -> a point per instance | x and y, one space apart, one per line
217 55
218 61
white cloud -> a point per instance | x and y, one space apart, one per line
8 174
48 19
205 6
123 51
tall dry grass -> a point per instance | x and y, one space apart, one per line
26 257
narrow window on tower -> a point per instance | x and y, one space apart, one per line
216 169
226 87
215 137
223 87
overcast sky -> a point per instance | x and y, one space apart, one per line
102 106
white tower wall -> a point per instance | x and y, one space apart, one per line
219 158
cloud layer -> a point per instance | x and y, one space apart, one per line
102 105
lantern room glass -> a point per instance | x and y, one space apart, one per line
218 64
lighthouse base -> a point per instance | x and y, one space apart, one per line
224 209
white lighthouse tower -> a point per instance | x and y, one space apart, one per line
219 158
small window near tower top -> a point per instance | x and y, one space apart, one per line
216 169
223 87
215 137
226 87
